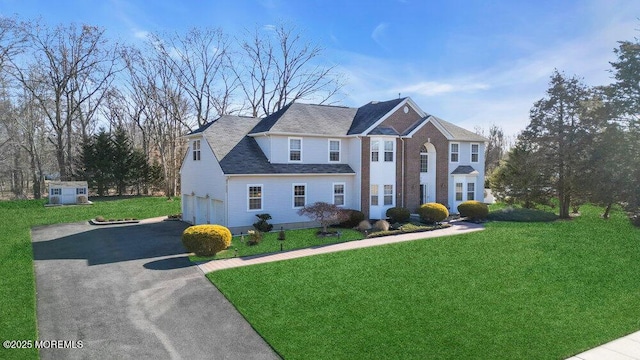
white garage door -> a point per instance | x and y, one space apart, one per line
202 212
187 209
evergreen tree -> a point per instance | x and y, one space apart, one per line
123 166
101 164
560 132
522 178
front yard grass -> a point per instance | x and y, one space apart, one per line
17 283
514 291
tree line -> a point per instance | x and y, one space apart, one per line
582 143
60 84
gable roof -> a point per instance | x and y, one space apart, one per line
224 133
464 170
458 133
370 113
298 118
238 153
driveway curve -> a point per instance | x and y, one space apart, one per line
129 291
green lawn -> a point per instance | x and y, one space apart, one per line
514 291
17 286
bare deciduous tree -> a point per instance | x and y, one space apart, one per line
280 67
66 72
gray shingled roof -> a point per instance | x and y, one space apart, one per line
247 158
241 154
384 130
299 118
464 170
459 133
368 114
224 133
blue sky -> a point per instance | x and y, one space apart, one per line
473 63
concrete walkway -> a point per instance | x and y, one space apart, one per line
456 229
625 348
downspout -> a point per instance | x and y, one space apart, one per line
402 172
226 201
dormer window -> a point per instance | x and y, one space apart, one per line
196 150
295 149
334 150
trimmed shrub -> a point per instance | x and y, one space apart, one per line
432 213
262 225
100 219
398 214
474 210
353 218
206 240
255 236
54 200
381 225
82 199
364 225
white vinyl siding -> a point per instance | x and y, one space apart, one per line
299 195
254 197
338 194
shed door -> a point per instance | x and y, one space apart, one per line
68 196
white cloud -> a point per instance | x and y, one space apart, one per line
379 33
435 88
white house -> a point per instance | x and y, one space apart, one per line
371 158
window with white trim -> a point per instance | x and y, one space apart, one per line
299 195
475 152
388 194
254 195
81 191
458 191
56 191
388 151
424 160
374 195
196 150
334 150
295 149
338 194
471 191
375 150
455 152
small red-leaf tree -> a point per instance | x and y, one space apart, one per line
324 213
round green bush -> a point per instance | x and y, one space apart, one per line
474 210
433 212
206 240
398 214
354 217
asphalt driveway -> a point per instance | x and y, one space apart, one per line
129 291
